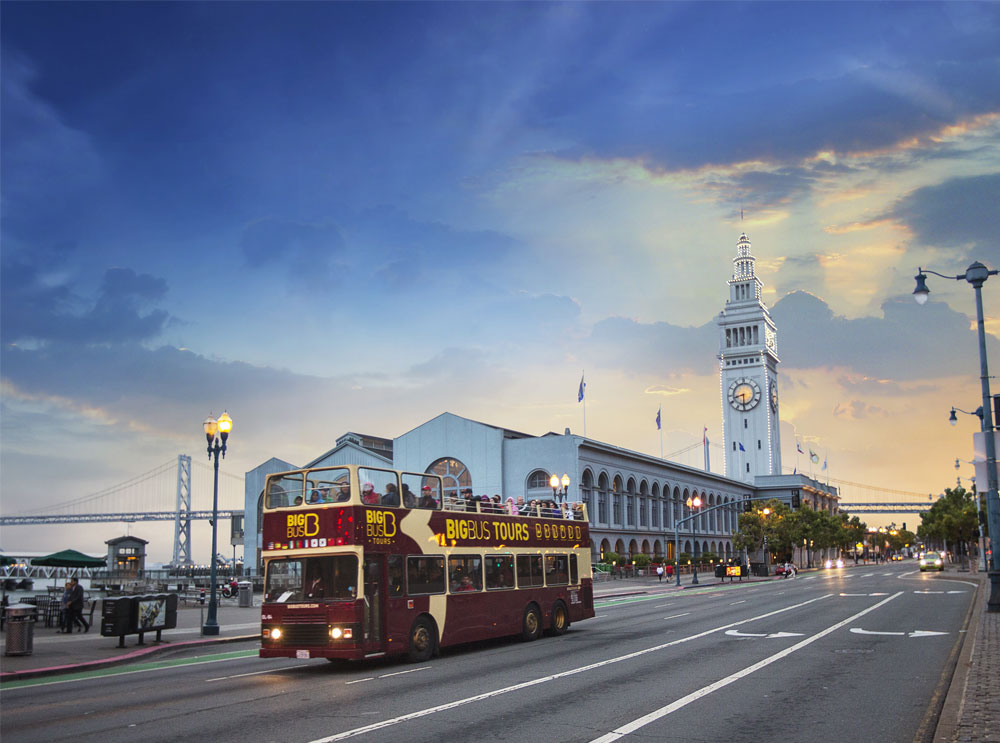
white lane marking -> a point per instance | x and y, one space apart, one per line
868 575
254 673
663 606
859 631
785 634
878 594
598 616
545 679
358 681
957 591
400 673
927 592
925 633
854 594
889 574
908 572
674 616
706 690
734 603
811 577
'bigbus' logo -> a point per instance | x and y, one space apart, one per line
303 525
380 526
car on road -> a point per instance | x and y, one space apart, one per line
931 561
838 563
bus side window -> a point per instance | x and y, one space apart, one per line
499 572
574 577
556 572
529 570
425 575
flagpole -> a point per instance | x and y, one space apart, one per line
583 377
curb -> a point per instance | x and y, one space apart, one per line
117 660
951 710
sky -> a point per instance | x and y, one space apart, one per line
331 217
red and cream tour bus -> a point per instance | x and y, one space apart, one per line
362 562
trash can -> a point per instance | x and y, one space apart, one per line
20 629
246 594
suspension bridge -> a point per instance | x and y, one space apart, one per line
164 493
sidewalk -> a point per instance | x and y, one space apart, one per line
57 653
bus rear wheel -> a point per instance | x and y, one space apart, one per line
560 619
531 626
421 641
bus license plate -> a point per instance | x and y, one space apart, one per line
301 653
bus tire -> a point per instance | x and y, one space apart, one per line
531 625
422 641
560 619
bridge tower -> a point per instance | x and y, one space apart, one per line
182 519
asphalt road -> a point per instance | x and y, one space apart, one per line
852 655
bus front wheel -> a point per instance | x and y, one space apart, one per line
531 627
421 641
560 619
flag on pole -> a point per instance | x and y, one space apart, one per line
813 457
741 447
704 436
583 386
798 447
658 427
824 463
795 470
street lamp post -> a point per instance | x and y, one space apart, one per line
979 520
217 433
977 274
693 503
554 482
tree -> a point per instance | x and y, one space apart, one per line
953 518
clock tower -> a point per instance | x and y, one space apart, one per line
748 370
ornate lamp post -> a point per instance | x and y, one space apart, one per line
554 483
977 274
217 432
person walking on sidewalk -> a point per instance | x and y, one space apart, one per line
659 573
65 623
76 606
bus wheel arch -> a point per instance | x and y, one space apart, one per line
560 618
423 639
531 624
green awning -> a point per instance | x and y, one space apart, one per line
69 559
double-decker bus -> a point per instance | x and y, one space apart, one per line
363 562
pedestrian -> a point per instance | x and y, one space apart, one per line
659 573
65 625
76 606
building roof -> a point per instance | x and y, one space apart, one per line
119 540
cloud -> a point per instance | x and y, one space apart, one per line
859 410
666 391
661 348
308 252
37 309
958 213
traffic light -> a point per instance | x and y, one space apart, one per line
747 505
796 499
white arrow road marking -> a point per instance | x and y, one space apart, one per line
928 591
737 633
859 631
925 633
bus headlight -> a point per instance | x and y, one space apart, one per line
338 633
271 633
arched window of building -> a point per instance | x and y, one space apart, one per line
602 498
538 479
454 474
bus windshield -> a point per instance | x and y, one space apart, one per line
332 578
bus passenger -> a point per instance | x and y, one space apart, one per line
409 500
578 511
464 585
426 499
314 496
345 492
368 494
470 500
497 503
511 508
391 496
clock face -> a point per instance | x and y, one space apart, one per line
744 394
774 395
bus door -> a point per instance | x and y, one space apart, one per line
374 601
